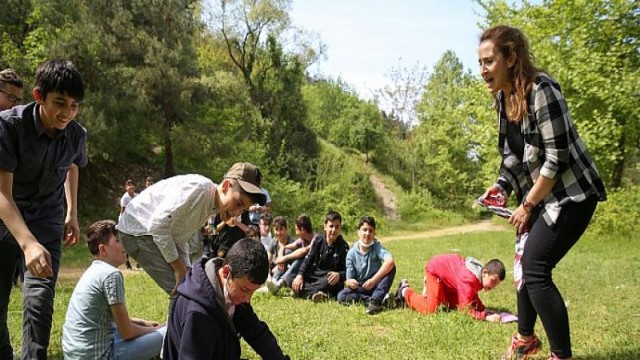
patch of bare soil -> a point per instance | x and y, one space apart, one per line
386 196
485 225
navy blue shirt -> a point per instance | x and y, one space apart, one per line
39 165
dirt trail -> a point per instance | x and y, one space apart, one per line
485 225
387 197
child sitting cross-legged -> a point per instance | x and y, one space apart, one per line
370 269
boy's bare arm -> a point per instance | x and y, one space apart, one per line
37 258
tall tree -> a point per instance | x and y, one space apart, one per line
444 137
592 49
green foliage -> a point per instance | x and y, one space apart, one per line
591 47
444 140
619 215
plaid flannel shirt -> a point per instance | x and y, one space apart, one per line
552 148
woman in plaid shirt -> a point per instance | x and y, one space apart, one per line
555 180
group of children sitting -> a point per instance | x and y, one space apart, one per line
321 267
313 266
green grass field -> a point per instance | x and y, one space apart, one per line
599 279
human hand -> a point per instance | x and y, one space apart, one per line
493 318
282 266
333 277
38 260
71 231
520 218
297 284
369 284
179 272
495 196
351 284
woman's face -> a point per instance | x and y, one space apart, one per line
494 68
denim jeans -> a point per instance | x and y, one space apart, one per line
361 294
143 347
37 301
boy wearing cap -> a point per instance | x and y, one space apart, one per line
156 226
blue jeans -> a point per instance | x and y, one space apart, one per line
361 294
292 271
37 300
143 347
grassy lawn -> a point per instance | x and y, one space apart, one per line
599 279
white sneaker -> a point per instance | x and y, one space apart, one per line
273 287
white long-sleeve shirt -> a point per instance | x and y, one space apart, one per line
171 211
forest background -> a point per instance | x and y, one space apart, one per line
187 86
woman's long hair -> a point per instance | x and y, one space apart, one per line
512 42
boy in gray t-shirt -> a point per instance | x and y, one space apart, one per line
98 302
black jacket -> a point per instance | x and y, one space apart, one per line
199 326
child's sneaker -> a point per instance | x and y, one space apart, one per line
522 349
399 298
273 286
374 307
495 203
319 297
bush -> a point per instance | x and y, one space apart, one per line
620 214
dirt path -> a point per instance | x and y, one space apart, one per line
485 225
387 197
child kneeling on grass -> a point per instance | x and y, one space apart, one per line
98 302
370 269
454 282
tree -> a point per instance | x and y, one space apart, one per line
592 50
444 137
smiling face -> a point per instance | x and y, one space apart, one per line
366 233
494 67
230 201
57 110
332 228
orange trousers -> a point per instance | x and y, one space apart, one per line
426 304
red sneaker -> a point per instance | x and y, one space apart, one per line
522 349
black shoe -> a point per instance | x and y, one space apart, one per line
374 307
399 299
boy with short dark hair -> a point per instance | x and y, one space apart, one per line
158 224
213 308
41 151
278 245
322 272
454 282
370 269
11 89
129 193
98 302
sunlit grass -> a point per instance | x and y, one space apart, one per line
599 279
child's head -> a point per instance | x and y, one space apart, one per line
239 189
493 273
103 243
245 268
280 228
59 76
303 225
58 91
367 230
10 89
148 181
332 225
265 224
253 232
130 186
